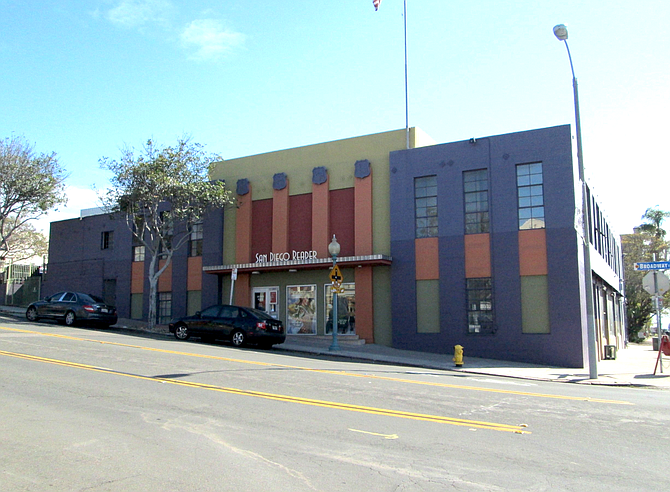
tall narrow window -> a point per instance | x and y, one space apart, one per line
195 243
480 306
164 308
531 196
107 240
425 206
476 196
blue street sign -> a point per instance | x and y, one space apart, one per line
652 265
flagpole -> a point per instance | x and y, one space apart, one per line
406 96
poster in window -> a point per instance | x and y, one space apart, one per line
301 309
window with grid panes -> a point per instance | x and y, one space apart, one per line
164 308
425 206
476 197
480 306
530 191
195 242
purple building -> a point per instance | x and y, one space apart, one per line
487 251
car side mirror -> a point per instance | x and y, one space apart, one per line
198 314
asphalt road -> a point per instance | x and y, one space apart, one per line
92 410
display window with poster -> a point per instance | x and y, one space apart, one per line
301 309
346 309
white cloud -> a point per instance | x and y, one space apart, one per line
138 13
210 39
78 199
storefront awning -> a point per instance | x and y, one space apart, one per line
312 264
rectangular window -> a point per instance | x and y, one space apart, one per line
138 253
476 196
425 206
107 240
164 308
301 310
346 309
480 306
195 243
531 196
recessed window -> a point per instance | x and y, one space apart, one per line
107 240
138 253
480 306
164 308
425 206
530 190
195 242
476 196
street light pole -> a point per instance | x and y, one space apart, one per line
334 250
561 32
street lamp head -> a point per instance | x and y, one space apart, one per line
334 247
561 32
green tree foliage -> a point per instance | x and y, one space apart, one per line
646 244
162 192
30 185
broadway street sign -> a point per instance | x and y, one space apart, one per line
652 265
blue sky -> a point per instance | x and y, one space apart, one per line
84 78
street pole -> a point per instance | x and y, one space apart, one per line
334 250
657 301
406 95
561 32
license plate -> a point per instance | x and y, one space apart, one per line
104 310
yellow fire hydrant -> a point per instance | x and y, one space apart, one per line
458 355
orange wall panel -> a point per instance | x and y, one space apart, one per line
426 258
533 252
320 219
165 280
280 211
364 304
243 228
242 294
194 273
477 256
137 277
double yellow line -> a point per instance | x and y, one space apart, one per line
330 371
518 429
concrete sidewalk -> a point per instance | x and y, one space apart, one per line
633 366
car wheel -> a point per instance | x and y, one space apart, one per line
181 332
70 318
239 338
31 314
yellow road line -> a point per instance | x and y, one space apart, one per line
385 436
286 398
328 371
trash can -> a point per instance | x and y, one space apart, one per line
610 352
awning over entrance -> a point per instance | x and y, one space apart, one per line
311 264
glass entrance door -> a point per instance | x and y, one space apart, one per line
266 299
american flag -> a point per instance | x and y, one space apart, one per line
376 3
